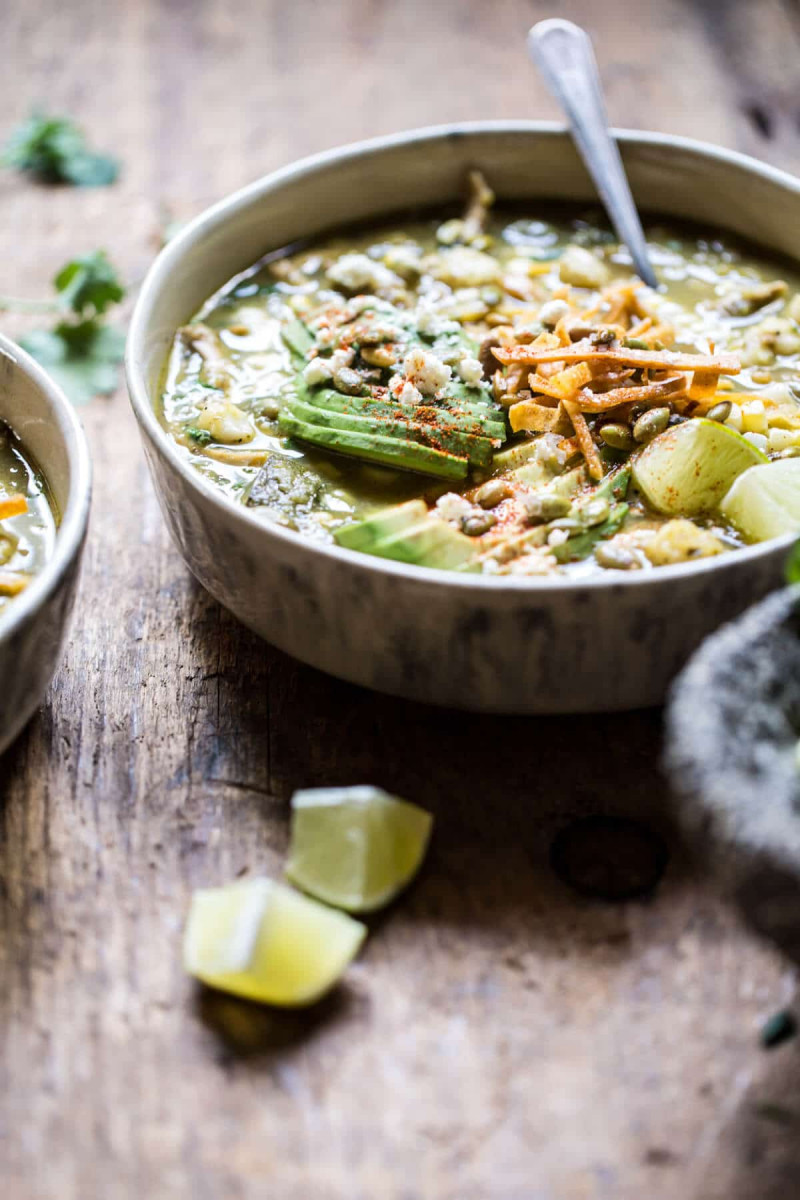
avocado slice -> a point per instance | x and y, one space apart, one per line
479 425
299 340
363 535
431 543
390 452
477 450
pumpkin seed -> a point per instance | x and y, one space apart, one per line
478 523
651 423
617 436
545 507
721 411
493 493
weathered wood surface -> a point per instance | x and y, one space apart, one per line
499 1037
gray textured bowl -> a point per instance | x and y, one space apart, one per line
510 645
733 723
32 628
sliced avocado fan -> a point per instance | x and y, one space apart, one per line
443 437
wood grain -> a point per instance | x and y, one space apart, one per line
499 1037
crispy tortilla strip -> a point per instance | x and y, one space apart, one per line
585 441
13 582
703 385
536 418
12 506
597 402
564 384
654 360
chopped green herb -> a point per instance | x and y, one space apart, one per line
87 286
201 436
780 1027
53 150
80 351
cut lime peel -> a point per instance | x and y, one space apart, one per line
687 470
356 848
764 502
300 950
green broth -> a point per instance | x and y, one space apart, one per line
698 271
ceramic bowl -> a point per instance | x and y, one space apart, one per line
733 724
500 645
33 626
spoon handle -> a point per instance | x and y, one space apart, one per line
563 53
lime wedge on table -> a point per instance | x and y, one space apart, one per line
264 941
689 468
355 847
764 502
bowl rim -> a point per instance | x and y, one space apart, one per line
228 208
74 517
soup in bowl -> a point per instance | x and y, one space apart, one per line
465 456
45 486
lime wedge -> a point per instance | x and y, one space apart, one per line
764 502
689 468
266 942
355 847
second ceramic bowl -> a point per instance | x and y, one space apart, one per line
511 645
33 626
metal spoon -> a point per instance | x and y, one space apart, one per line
563 53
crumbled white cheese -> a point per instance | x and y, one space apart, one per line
355 272
557 537
470 371
425 370
758 440
452 507
405 260
552 312
409 394
342 358
431 324
547 449
581 268
317 371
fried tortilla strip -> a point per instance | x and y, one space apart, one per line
585 441
589 401
653 360
12 506
564 384
536 418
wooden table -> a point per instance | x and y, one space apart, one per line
499 1036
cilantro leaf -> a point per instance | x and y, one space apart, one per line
54 150
83 358
88 285
201 436
792 568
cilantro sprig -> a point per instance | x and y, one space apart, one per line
81 351
54 150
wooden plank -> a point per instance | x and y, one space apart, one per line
500 1037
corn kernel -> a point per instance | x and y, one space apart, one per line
782 439
754 417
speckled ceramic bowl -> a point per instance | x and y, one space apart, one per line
502 645
32 627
